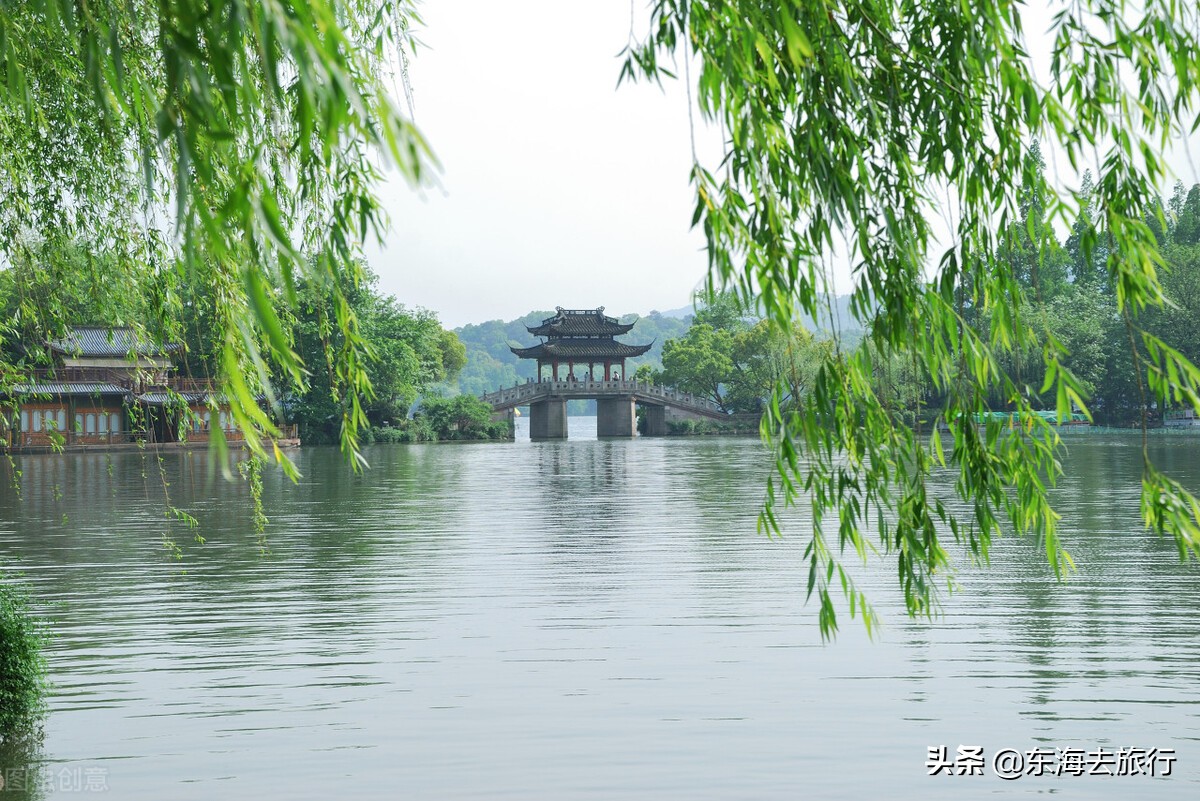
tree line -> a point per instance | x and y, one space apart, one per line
737 359
54 284
1069 297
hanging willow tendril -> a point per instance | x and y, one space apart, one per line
853 118
251 470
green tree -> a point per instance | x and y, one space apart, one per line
850 117
739 366
765 358
647 373
1187 226
724 311
700 362
234 145
406 353
1029 244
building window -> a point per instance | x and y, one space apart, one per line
103 424
24 420
79 424
91 424
114 424
62 420
207 420
37 419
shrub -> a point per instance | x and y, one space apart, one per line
390 435
22 664
461 417
682 427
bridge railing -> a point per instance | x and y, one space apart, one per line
533 389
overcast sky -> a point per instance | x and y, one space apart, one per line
557 188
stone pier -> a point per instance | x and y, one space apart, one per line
548 419
615 417
656 420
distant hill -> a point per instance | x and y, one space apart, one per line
842 319
683 312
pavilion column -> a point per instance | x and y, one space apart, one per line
607 370
555 369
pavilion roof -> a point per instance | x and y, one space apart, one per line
580 323
581 349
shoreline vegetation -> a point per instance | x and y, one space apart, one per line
23 671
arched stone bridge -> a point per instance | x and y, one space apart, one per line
615 402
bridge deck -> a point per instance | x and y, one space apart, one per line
640 391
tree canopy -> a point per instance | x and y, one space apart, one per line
854 125
738 361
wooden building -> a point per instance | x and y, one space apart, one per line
108 388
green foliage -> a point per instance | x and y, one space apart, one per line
22 664
704 427
647 374
251 471
235 146
461 417
699 362
845 120
737 363
394 434
407 352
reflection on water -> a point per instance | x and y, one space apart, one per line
580 619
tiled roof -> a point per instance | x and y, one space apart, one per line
104 342
164 398
580 323
580 349
68 388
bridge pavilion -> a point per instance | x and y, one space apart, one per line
580 337
586 338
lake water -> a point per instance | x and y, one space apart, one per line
572 620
